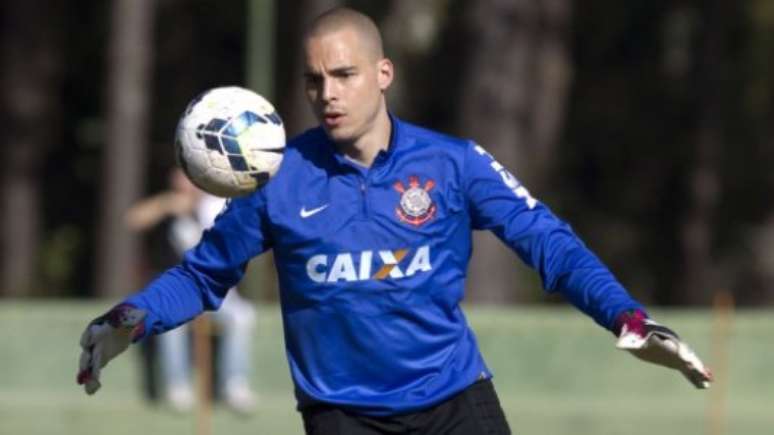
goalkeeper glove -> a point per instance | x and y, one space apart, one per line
657 344
106 337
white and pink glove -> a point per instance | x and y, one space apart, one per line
104 338
657 344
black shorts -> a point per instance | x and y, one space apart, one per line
474 411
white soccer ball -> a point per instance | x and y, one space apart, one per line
229 141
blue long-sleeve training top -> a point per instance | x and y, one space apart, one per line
371 265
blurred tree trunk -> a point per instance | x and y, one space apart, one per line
129 60
261 46
31 74
261 277
513 103
703 180
292 105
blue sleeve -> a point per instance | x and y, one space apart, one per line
216 264
498 202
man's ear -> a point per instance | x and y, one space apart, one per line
385 71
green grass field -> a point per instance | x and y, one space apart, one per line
555 371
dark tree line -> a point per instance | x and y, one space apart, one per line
646 125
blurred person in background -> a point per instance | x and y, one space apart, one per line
177 217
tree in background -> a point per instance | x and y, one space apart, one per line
697 231
513 102
123 168
747 263
32 68
647 125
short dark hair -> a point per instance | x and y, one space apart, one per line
342 17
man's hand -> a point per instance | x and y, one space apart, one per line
657 344
104 338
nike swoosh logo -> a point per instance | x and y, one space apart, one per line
306 213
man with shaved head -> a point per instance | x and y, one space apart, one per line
346 77
370 221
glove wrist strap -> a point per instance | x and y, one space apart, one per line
633 320
125 316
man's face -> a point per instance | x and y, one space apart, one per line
344 84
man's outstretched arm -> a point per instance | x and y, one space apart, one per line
181 293
498 202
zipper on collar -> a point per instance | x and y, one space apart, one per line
364 196
364 180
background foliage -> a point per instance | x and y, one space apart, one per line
647 125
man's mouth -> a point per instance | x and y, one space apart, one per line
332 119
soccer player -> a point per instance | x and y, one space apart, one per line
370 221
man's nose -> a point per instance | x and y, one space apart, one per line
328 90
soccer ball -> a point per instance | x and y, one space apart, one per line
229 141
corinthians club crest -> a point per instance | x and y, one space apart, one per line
415 207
